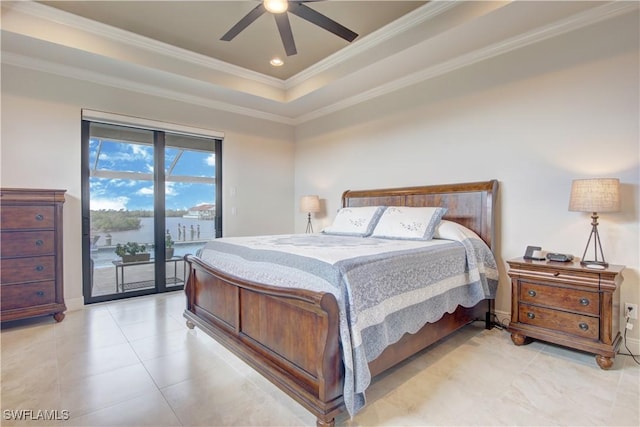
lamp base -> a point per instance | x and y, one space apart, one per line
596 265
597 247
309 226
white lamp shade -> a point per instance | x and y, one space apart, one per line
310 204
595 195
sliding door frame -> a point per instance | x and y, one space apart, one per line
159 207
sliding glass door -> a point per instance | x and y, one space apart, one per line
149 198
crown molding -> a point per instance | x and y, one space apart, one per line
580 20
293 116
107 80
135 40
404 23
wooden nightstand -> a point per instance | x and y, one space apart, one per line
566 304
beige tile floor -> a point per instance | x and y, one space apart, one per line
134 362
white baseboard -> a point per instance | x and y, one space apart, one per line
632 343
74 303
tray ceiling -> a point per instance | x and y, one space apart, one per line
172 48
197 26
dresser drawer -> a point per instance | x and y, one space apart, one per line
557 275
19 270
27 295
27 217
575 324
27 243
556 297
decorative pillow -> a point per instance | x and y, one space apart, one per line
415 223
358 221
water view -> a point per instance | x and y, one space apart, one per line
123 185
189 234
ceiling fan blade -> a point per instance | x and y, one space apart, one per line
282 20
256 13
321 21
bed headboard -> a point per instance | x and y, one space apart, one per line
470 204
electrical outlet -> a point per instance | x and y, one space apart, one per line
631 310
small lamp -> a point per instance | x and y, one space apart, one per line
596 196
309 204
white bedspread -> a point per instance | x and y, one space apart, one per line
384 288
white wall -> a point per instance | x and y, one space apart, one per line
535 119
40 148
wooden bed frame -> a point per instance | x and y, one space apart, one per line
291 336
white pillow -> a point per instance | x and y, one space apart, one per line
403 222
450 230
357 221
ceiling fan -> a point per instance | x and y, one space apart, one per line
279 9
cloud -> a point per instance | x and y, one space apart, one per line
211 159
141 152
145 191
116 203
169 188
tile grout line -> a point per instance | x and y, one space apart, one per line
145 366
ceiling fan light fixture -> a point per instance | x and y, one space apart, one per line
276 6
276 62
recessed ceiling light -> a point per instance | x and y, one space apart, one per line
276 62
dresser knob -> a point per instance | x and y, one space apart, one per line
39 267
531 315
40 293
583 326
39 217
39 242
584 301
532 293
556 274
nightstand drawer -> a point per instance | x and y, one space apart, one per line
27 295
31 217
27 243
575 324
19 270
551 274
562 298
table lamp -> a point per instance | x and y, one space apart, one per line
596 196
309 204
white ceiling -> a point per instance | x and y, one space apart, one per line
171 48
197 26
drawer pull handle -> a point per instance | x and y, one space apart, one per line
584 301
531 315
556 274
40 268
583 326
39 217
39 242
532 293
40 293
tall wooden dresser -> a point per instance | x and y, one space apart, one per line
31 253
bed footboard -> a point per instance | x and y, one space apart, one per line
290 336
